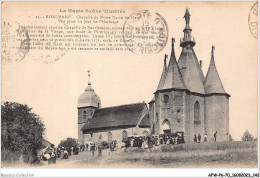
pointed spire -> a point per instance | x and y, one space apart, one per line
212 61
164 72
174 78
212 82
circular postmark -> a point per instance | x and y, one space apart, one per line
15 42
47 39
145 32
253 20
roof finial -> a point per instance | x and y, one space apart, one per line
165 58
89 83
213 48
212 62
187 16
173 41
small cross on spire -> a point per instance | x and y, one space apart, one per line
173 41
213 48
89 77
165 58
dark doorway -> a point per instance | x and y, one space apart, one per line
167 131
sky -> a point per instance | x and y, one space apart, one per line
52 90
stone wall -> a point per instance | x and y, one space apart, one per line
83 115
217 117
152 116
172 110
116 134
196 127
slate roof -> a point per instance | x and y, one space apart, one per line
173 78
191 71
212 81
163 76
117 116
145 123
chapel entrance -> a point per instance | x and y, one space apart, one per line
166 127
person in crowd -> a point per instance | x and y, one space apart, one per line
52 153
161 140
215 136
140 142
199 138
72 150
96 146
115 145
58 152
167 141
69 151
171 140
99 147
92 149
132 142
195 138
157 141
205 138
145 144
66 154
183 137
76 150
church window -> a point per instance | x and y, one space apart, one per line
157 118
124 135
98 105
165 98
84 114
197 113
109 137
91 135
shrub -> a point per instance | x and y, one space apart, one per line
68 143
247 136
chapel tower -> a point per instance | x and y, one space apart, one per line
87 103
217 103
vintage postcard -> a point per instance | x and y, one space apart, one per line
129 85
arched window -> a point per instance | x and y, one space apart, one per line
109 137
196 113
166 126
124 135
84 114
145 133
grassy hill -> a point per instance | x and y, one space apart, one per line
193 155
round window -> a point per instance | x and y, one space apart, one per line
165 98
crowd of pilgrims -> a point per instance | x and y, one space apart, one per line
50 153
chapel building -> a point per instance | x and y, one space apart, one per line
96 124
187 101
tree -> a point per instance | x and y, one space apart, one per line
68 143
22 132
247 136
